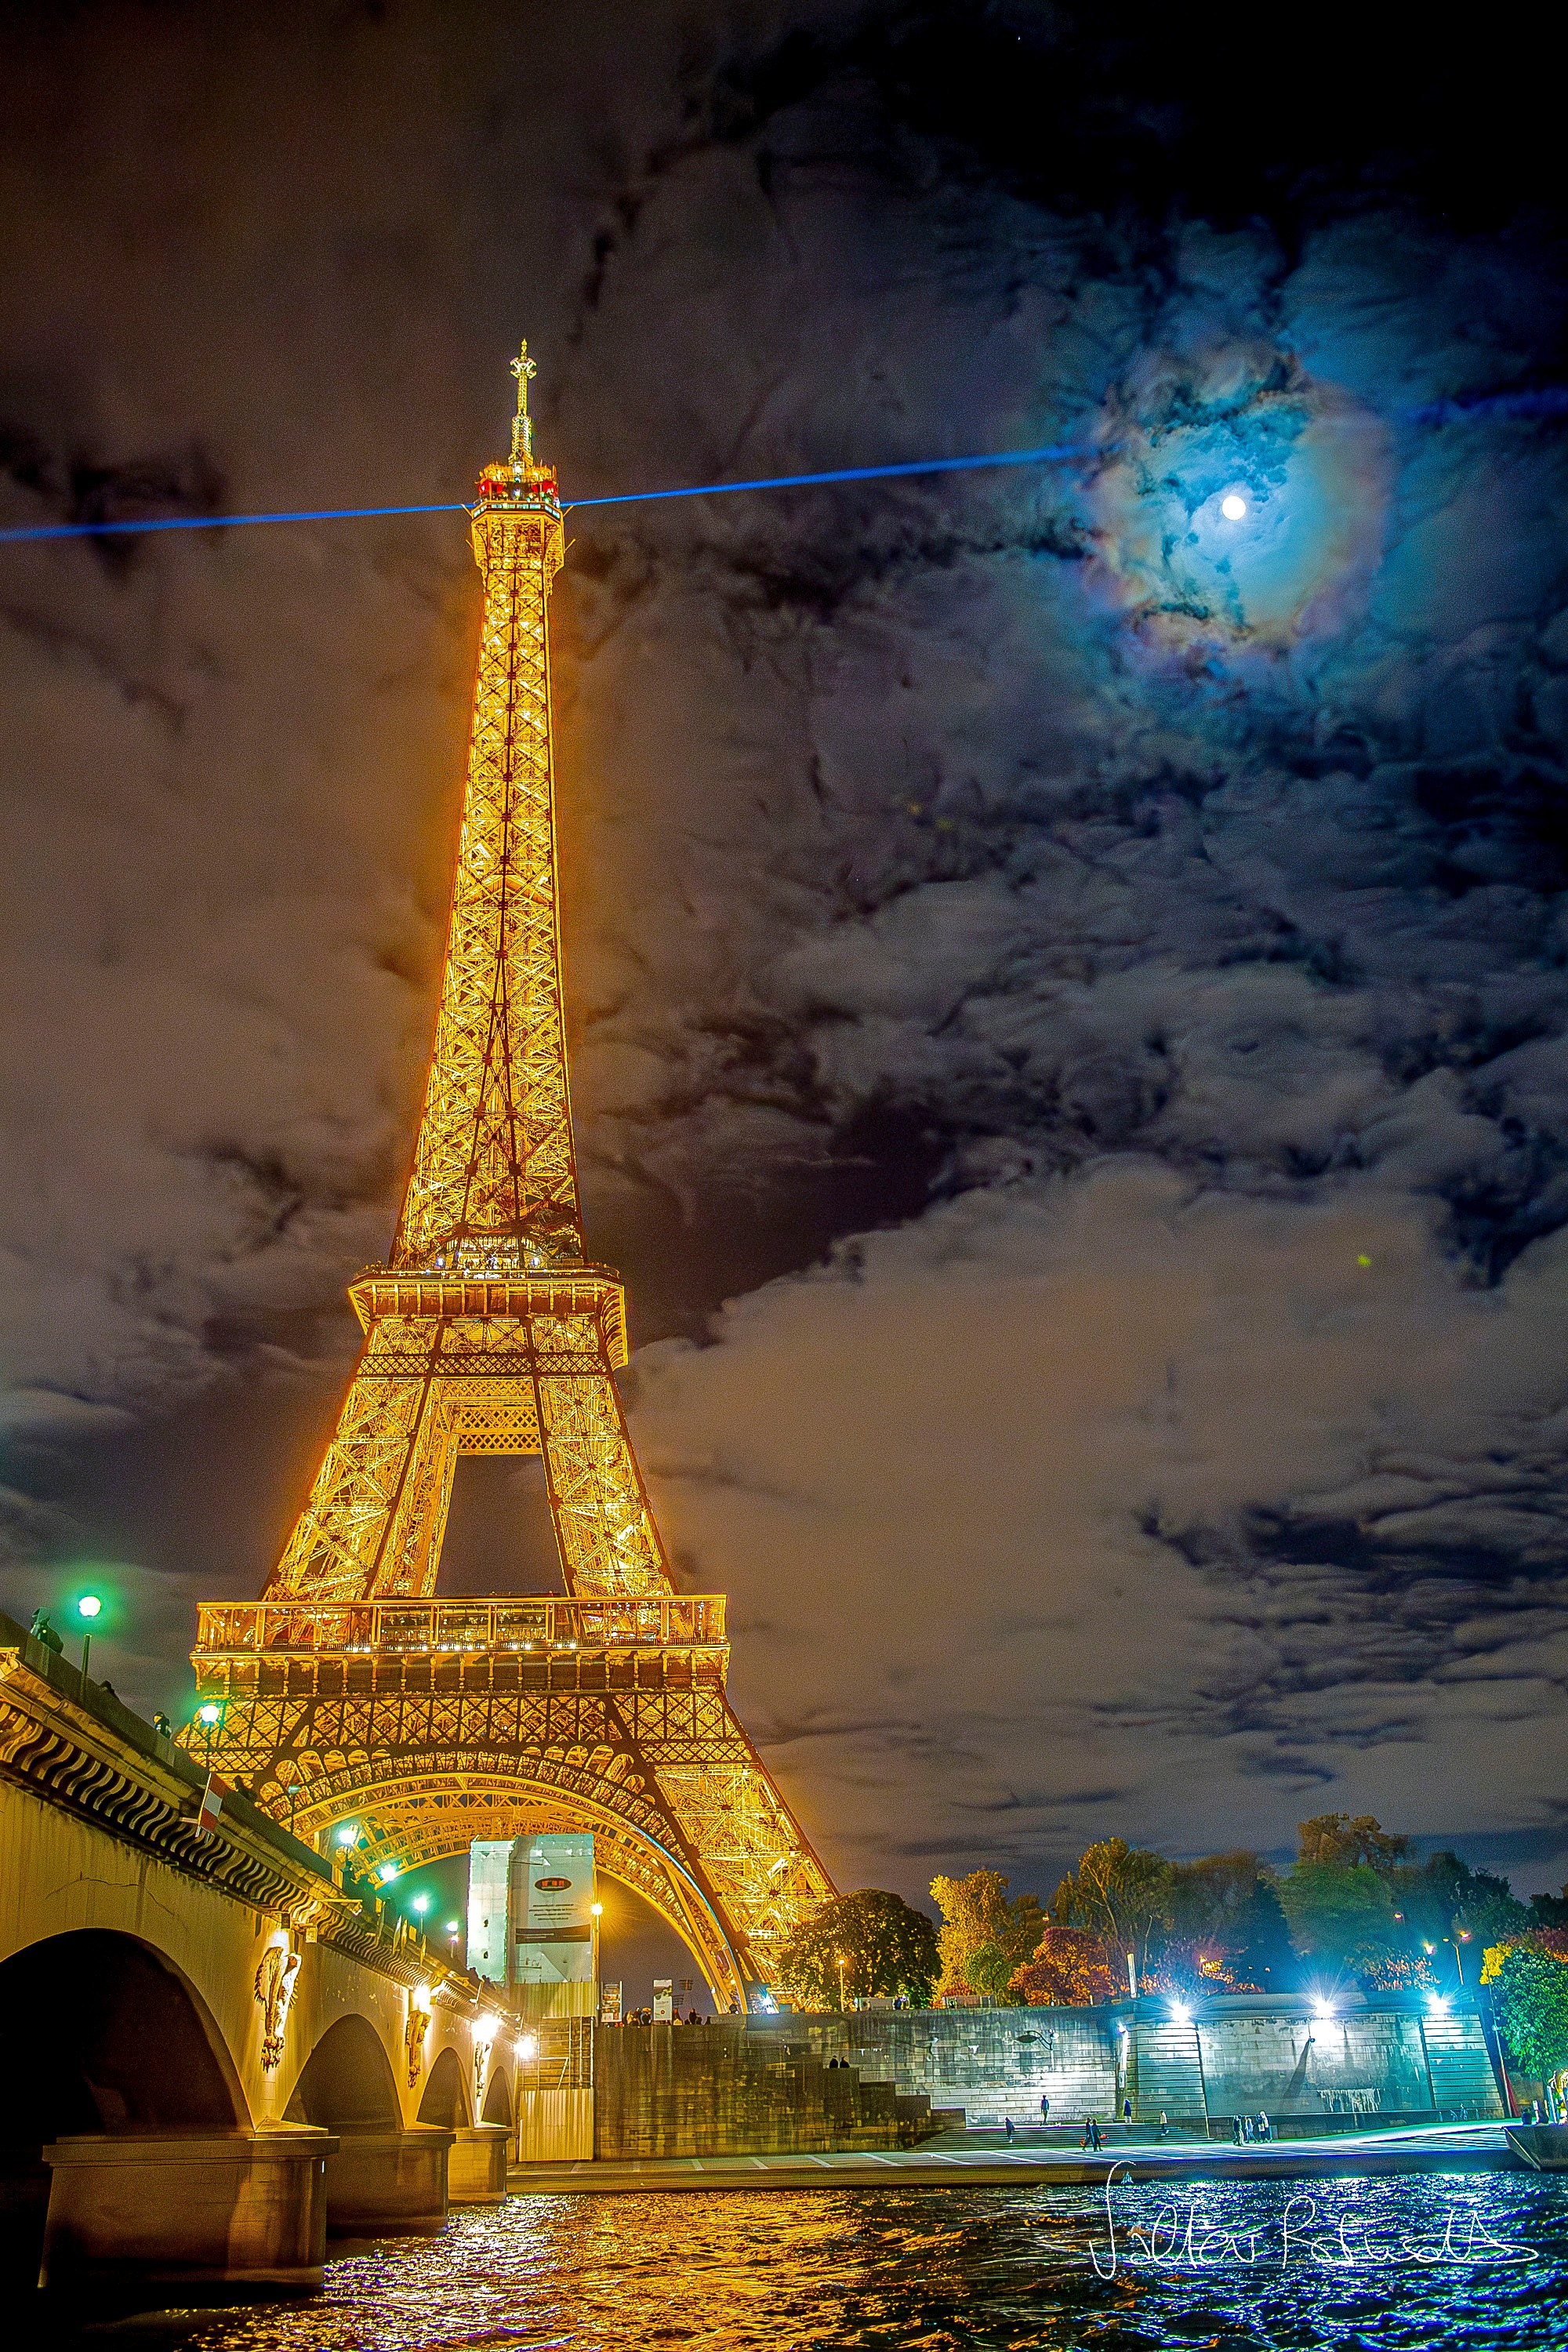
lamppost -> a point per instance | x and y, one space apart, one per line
1462 1936
89 1608
843 1964
209 1716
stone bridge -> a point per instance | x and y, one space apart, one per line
210 2055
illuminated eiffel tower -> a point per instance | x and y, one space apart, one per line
348 1692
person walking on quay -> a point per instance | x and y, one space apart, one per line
1007 2127
1164 2125
1092 2137
1264 2128
1045 2109
1126 2111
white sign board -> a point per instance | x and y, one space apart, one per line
552 1900
489 1916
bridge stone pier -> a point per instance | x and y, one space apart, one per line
211 2056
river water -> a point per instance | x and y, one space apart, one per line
1475 2259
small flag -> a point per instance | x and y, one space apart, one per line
213 1795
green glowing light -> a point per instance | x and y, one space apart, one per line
90 1605
209 1715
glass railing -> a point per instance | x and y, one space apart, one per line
456 1628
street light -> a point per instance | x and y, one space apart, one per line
89 1608
843 1964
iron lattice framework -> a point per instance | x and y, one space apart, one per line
348 1691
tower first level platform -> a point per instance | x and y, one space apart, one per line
424 1726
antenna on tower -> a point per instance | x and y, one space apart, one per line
522 367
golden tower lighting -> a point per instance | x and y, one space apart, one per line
349 1691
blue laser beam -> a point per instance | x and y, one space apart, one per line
1054 455
1548 402
219 521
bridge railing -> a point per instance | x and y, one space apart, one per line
453 1628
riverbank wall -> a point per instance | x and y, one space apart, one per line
1312 2066
718 2090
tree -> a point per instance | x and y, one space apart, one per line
1122 1893
1342 1917
984 1937
1489 1910
1530 2002
1069 1970
1443 1901
1208 1898
1262 1959
887 1948
1336 1838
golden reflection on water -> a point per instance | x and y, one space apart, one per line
907 2270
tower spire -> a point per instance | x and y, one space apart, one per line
523 368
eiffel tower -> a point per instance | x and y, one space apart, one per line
348 1695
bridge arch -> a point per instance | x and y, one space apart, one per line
100 2031
446 2099
497 2106
347 2083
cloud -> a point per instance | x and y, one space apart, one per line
1123 1499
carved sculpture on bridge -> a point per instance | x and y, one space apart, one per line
274 1988
349 1691
415 2032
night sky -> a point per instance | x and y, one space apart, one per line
1068 989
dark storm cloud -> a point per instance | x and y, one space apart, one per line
1157 925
